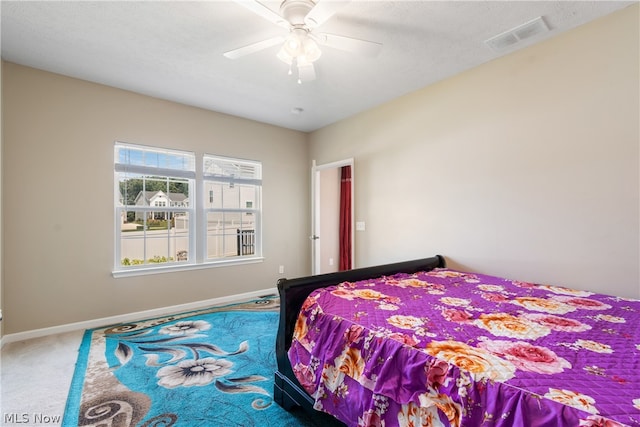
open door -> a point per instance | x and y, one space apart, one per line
332 233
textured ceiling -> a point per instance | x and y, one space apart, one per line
173 50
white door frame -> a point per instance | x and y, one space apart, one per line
315 210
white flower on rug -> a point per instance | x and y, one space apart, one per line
190 373
185 328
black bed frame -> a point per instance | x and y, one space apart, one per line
288 392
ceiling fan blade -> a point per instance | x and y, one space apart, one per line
263 11
349 44
254 47
306 72
322 11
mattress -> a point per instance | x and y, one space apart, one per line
450 348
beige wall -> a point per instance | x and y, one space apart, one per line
58 182
525 167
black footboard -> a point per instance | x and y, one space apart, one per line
287 391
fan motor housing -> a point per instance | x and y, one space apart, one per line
294 11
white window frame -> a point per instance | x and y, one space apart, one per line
196 209
234 173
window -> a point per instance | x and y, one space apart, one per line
232 214
150 231
162 224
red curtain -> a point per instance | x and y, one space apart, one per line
345 218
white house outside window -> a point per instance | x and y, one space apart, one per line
232 207
160 222
151 232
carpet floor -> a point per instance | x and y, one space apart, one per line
211 367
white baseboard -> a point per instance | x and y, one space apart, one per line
130 317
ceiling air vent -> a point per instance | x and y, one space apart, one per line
517 34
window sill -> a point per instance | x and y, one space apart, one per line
143 271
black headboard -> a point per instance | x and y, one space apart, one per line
293 293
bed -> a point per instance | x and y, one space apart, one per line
418 344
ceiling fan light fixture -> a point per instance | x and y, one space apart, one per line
293 44
284 56
311 50
299 47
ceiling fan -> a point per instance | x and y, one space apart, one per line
300 46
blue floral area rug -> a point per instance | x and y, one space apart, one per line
210 367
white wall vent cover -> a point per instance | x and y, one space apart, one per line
517 34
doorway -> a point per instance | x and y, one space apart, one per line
326 246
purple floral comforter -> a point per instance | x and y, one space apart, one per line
444 348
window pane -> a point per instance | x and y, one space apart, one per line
247 196
155 237
155 206
179 192
130 156
131 239
151 157
248 221
175 191
215 235
179 236
130 185
153 185
132 245
226 234
213 190
230 196
231 168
